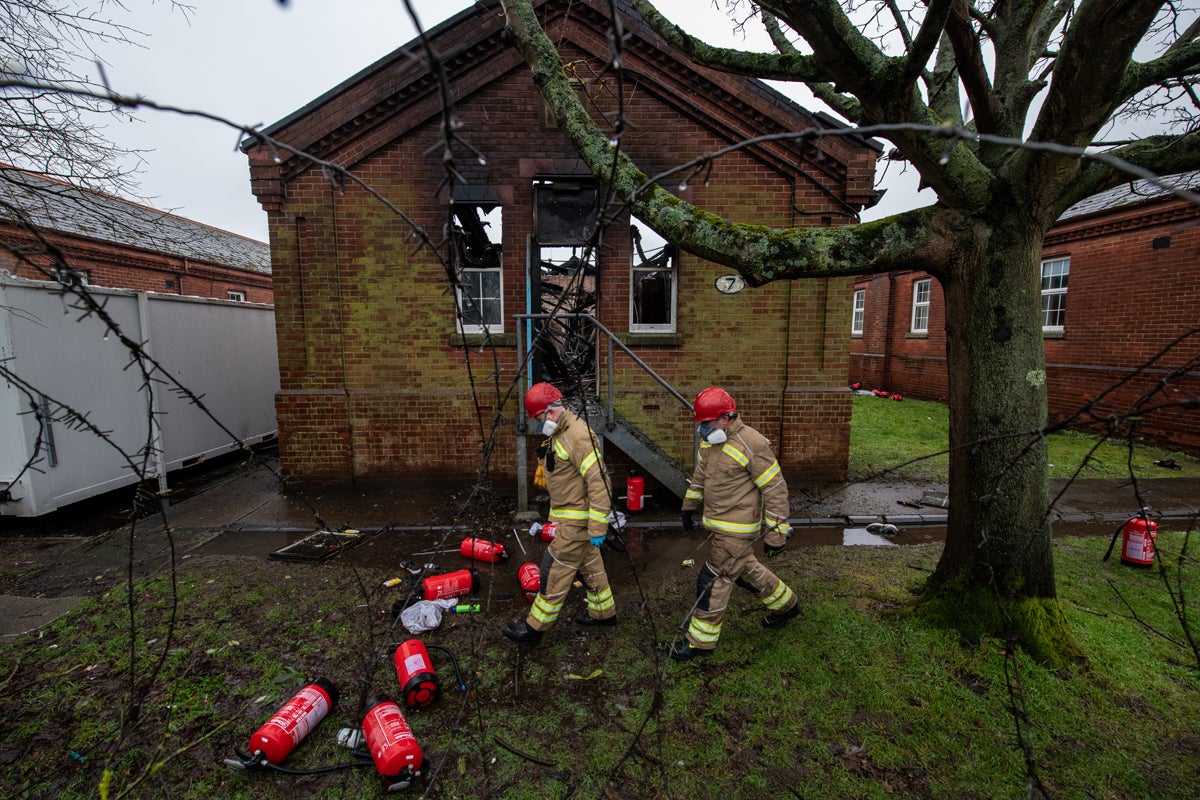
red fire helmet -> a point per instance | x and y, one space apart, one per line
539 396
712 403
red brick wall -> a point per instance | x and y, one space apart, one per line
119 267
373 382
1134 286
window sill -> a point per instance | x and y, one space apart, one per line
479 340
917 335
1053 334
856 336
650 339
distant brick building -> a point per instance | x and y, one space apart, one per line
111 242
1120 282
378 356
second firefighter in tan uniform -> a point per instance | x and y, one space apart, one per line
580 504
738 485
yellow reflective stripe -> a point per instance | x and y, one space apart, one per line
705 445
731 527
693 494
588 462
768 476
544 611
568 513
561 451
704 633
596 515
780 525
781 597
601 601
735 454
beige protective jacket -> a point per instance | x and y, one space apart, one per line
575 478
740 487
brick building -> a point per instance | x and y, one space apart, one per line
111 242
379 357
1120 283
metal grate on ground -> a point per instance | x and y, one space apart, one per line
318 546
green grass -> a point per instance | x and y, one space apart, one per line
858 698
908 440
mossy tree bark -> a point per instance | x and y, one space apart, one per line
982 238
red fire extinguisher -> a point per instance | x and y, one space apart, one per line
482 550
414 669
451 584
394 749
635 487
530 578
279 736
1138 536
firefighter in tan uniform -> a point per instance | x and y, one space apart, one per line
580 502
743 497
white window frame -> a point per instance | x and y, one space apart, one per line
1054 291
70 276
236 295
468 276
922 292
652 245
859 315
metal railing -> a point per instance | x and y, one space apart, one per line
610 384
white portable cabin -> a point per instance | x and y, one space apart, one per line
56 358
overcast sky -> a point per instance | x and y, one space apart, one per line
256 61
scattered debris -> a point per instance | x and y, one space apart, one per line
1167 463
857 388
425 615
316 547
883 528
935 499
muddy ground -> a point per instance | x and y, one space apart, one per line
243 614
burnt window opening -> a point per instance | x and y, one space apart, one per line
565 211
653 290
566 284
477 236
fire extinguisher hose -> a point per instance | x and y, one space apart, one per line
457 672
248 760
1108 552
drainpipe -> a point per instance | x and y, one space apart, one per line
889 332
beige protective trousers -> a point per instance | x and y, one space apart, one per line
731 561
571 552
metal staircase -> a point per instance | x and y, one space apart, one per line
603 418
639 447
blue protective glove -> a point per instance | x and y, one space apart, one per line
596 541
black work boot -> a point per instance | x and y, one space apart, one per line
684 651
583 618
520 632
777 619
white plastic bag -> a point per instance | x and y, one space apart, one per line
425 615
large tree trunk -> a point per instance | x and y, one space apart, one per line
996 576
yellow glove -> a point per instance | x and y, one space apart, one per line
539 477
